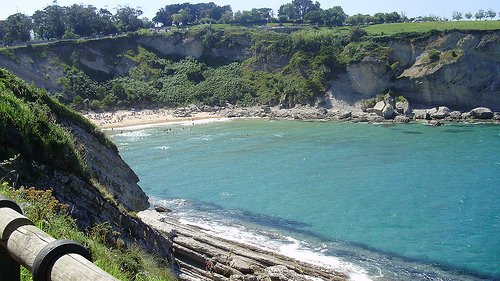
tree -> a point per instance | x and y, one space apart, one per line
305 6
50 22
392 17
215 12
334 16
127 18
314 17
491 14
468 16
83 20
355 33
227 17
105 24
17 29
288 12
481 14
456 15
357 19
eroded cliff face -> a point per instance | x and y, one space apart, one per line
457 70
109 170
177 44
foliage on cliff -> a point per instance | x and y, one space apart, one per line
53 217
216 66
297 65
27 127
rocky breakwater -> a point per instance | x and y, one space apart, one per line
386 110
201 256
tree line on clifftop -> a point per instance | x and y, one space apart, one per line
79 20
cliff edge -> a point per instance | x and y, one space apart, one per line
45 145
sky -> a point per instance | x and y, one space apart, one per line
412 8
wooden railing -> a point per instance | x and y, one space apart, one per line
47 258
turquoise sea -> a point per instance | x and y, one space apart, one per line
378 201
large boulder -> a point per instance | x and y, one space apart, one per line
388 99
403 108
441 113
402 119
377 109
481 113
388 111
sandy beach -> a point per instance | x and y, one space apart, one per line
129 118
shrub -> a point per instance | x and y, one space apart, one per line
434 55
356 33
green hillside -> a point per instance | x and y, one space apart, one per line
33 143
421 27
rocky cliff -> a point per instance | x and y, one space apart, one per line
99 189
457 70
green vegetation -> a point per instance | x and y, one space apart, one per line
297 63
28 127
390 92
51 216
33 143
422 27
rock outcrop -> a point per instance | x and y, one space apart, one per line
204 257
458 70
109 169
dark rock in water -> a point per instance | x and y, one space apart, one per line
402 119
161 209
435 123
64 179
481 113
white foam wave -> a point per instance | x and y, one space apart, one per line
287 246
198 122
134 134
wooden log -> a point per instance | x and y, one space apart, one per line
24 241
73 267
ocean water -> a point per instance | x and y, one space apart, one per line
378 201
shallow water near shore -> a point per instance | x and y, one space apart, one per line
382 202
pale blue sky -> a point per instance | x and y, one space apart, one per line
413 8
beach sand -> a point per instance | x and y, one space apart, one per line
129 118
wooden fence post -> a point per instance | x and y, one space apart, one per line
47 258
10 269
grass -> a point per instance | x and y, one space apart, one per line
393 28
52 217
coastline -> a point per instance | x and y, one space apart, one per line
434 116
202 256
193 253
130 118
194 250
